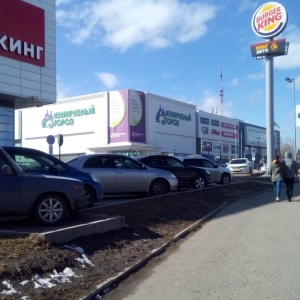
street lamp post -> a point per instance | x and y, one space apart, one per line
174 150
220 143
258 154
292 80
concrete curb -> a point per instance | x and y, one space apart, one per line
105 286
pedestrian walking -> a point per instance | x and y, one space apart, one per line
290 173
277 176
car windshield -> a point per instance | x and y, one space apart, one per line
175 163
36 162
237 161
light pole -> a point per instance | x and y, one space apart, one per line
174 150
220 143
292 80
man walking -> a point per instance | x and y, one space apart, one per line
290 172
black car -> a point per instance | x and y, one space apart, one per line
188 177
34 161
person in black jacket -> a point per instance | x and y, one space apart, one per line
290 173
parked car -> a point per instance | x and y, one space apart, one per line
123 174
240 165
46 198
38 162
219 174
215 159
188 177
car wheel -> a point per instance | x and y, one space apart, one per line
199 182
50 209
225 179
88 198
159 187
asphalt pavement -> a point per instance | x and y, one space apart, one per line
250 250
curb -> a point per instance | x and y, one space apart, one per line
105 286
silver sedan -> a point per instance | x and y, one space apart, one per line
123 174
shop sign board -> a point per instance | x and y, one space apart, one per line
269 20
22 32
275 48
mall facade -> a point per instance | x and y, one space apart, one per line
136 123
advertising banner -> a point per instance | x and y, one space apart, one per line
137 116
118 116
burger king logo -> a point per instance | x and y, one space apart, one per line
269 20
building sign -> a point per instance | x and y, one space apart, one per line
269 20
205 130
168 117
228 125
215 122
22 32
204 120
215 132
65 118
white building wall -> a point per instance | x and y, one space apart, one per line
181 134
82 121
216 134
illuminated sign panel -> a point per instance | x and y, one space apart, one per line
22 32
278 47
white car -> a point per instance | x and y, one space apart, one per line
240 165
219 174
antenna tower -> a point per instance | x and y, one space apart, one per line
221 91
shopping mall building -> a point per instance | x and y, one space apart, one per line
125 121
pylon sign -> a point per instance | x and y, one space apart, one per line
269 20
275 48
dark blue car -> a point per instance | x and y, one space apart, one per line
38 162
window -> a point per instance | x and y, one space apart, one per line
126 163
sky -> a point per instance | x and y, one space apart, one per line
178 49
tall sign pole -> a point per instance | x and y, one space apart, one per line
268 21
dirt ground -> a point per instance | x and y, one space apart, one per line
150 223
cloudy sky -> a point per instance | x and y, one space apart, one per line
177 49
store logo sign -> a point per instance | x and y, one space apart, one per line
269 20
168 117
65 118
22 32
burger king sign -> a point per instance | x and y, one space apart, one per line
269 20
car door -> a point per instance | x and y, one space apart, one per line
10 190
206 165
130 176
168 163
103 168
